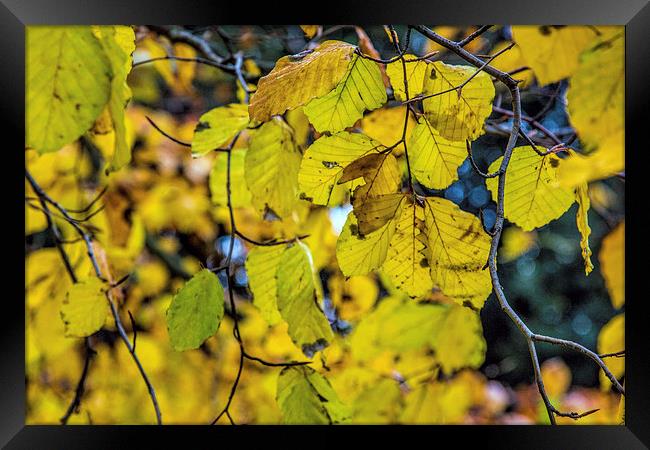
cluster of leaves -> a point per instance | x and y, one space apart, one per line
386 313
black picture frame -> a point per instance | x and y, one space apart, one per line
15 15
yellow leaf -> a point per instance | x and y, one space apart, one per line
406 263
323 163
553 52
515 242
321 240
85 308
457 252
386 125
458 114
310 30
511 60
582 197
376 211
68 79
298 300
271 169
556 376
353 296
596 94
381 175
378 404
261 267
606 161
299 122
156 49
434 159
240 195
438 402
612 264
296 79
361 88
533 197
218 127
415 73
360 255
611 339
458 339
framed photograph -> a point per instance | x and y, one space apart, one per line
399 215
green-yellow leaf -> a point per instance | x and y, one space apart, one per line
612 264
306 397
271 168
415 73
195 311
457 114
606 161
434 159
406 263
84 308
361 89
323 163
553 52
68 84
240 195
533 196
376 211
296 79
360 255
218 127
261 267
119 43
582 221
298 300
458 249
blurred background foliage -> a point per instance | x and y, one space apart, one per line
159 224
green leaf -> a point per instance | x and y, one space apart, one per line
361 89
84 308
218 127
298 300
196 311
271 169
68 84
261 266
306 397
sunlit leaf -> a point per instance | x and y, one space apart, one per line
218 127
68 83
612 264
533 197
582 198
84 308
296 79
611 339
261 267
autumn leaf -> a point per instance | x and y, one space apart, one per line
65 92
323 164
261 266
582 221
560 44
271 169
533 197
306 397
85 308
612 264
457 114
298 300
296 79
360 89
218 127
